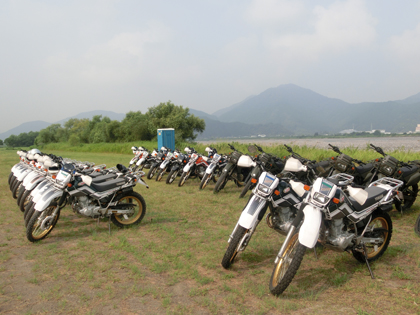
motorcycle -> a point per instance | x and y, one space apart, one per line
417 226
160 157
281 196
113 199
196 167
408 173
339 217
178 165
237 169
216 165
166 165
265 161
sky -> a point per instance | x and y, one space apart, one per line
61 58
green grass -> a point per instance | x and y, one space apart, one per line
170 263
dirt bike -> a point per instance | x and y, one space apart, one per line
113 199
237 169
264 161
281 196
340 217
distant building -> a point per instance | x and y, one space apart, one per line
418 128
347 131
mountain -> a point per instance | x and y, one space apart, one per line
25 127
303 111
38 124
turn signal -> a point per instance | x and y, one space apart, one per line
253 180
336 200
69 185
54 177
352 168
276 192
377 160
399 172
307 188
332 158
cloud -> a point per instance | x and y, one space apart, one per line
335 29
273 12
306 33
406 47
122 58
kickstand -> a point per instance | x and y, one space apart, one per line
367 262
316 256
109 226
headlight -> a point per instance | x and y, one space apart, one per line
321 198
264 189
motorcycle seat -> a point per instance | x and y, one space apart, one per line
103 186
374 194
102 178
362 169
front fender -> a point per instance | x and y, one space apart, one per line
35 181
309 231
252 211
47 198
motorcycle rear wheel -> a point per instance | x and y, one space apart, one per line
132 197
204 181
233 247
221 182
379 226
172 176
417 226
287 266
27 215
34 231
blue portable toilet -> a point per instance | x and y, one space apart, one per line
166 138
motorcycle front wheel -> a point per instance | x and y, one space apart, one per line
417 226
379 227
42 223
160 174
152 172
15 188
25 198
233 247
184 177
246 188
205 180
287 266
135 202
172 176
221 182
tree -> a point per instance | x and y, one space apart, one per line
135 126
53 133
168 115
1 142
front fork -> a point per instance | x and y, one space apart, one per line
295 224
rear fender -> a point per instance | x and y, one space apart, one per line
252 211
309 231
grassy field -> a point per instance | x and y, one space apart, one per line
170 263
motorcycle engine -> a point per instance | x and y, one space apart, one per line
280 220
336 236
84 206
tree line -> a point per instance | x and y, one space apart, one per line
134 127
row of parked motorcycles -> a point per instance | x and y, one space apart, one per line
341 203
43 184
